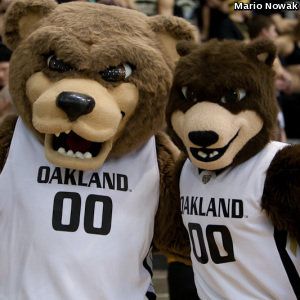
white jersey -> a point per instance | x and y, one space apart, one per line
236 252
73 235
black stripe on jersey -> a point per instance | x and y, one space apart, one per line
148 266
147 263
280 237
150 296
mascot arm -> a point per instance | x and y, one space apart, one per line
281 197
6 133
170 236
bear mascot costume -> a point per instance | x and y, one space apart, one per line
236 196
83 168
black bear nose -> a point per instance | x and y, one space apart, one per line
75 104
203 138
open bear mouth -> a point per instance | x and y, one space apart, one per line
208 155
71 144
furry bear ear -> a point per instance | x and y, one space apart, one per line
170 30
263 51
186 47
22 18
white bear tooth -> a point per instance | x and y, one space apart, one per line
67 131
57 134
79 155
202 154
70 153
87 155
213 154
61 150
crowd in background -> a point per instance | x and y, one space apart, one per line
215 19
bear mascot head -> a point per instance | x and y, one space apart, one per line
222 118
90 79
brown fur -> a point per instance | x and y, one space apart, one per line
282 191
205 69
170 234
12 36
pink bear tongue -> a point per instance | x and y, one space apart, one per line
76 143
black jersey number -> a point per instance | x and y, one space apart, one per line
89 213
195 230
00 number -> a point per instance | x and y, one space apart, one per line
89 213
215 254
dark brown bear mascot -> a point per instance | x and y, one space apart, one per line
83 168
239 192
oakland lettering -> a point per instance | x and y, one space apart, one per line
102 180
214 207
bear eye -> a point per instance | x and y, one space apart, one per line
118 73
56 64
234 96
188 94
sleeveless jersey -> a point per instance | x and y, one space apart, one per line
236 252
74 235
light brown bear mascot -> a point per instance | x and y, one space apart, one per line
239 192
82 169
